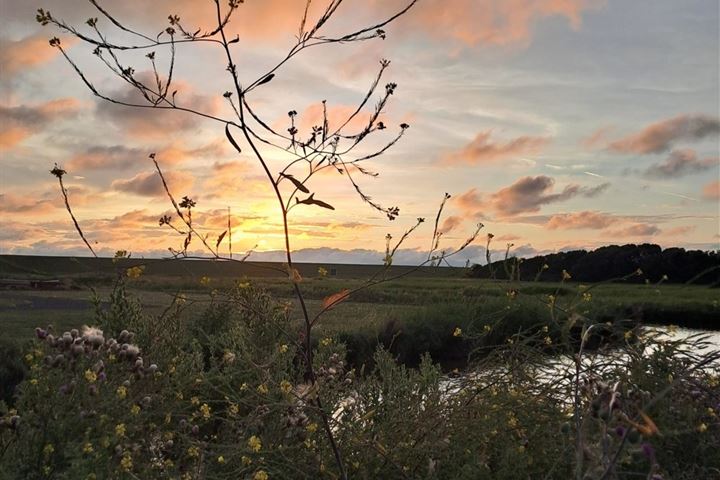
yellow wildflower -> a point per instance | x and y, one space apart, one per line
193 452
195 401
285 386
135 272
233 409
121 392
587 296
548 341
261 475
90 376
326 341
312 427
88 448
487 328
254 443
204 281
48 449
126 464
29 358
135 409
205 411
628 335
702 428
262 389
120 429
221 459
457 332
246 460
545 329
283 348
33 381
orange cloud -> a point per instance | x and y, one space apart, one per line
11 204
660 136
581 220
484 150
506 22
21 122
28 52
711 191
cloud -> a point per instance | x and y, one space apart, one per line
155 123
680 231
119 157
598 138
148 184
482 149
660 136
711 191
451 223
11 204
679 163
529 194
20 122
581 220
637 230
492 22
116 157
28 52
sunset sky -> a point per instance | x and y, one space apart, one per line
559 124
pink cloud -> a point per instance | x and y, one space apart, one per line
451 223
661 136
711 191
681 162
482 149
636 230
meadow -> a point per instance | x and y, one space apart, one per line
416 312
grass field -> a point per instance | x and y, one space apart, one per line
418 312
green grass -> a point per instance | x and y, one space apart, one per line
446 301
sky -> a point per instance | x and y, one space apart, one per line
558 124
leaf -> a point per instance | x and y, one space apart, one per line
231 139
336 298
234 40
312 201
294 275
220 238
296 182
266 79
